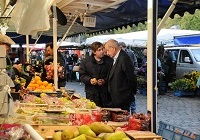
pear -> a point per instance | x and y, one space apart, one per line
67 134
127 138
81 137
76 133
98 127
92 138
119 135
84 129
102 135
57 135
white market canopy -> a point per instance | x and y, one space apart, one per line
165 36
42 46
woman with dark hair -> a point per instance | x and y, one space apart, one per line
93 73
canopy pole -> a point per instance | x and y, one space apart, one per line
36 42
152 63
55 46
67 31
27 49
166 16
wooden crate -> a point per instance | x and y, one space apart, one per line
143 135
48 130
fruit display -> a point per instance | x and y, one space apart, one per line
84 103
50 71
37 85
140 122
20 80
95 131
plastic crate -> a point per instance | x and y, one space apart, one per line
170 132
180 93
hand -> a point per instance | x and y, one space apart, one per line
93 81
101 82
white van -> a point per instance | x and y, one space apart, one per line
185 59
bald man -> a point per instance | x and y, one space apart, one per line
122 82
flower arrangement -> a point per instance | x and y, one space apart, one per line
193 76
182 84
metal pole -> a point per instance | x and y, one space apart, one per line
167 14
152 62
27 49
55 46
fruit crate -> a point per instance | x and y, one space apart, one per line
170 132
46 131
142 135
53 94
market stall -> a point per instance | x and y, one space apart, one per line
87 9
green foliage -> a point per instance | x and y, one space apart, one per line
187 22
193 76
182 84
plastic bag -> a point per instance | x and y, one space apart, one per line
31 16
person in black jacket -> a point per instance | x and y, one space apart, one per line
93 73
122 82
49 59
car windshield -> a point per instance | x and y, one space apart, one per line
196 53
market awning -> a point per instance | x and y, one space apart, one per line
187 39
111 14
131 12
21 39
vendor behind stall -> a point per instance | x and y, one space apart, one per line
19 78
47 74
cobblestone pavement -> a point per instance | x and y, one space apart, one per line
183 112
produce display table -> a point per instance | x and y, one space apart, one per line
49 112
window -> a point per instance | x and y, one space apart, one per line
183 55
196 53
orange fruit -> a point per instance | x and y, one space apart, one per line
39 82
36 85
29 88
50 84
37 78
45 83
42 87
33 81
30 85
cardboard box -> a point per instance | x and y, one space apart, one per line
143 135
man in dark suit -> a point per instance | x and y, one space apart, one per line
122 82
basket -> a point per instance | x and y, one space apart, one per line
170 132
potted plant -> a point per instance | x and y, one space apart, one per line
194 76
142 84
182 87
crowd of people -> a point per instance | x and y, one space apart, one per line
109 73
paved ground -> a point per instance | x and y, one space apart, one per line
183 112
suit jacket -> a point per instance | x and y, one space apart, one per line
122 82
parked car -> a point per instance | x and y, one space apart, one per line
184 59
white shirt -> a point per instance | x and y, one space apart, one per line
116 56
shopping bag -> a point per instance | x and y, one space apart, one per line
76 68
